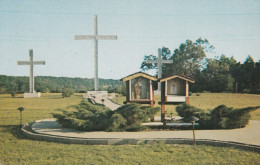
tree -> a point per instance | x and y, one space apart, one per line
188 59
216 76
246 75
13 88
67 92
166 54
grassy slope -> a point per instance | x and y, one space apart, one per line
14 149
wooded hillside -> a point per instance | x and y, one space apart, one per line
55 84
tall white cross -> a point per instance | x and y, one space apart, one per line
31 63
159 62
95 37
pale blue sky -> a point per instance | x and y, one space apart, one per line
142 26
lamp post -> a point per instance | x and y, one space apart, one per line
20 109
193 119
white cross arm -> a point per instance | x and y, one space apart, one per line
29 63
156 61
167 61
84 37
151 61
106 37
23 62
92 37
38 62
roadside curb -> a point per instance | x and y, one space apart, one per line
30 134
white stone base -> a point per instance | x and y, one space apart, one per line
32 95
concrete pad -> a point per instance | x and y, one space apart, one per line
32 95
248 135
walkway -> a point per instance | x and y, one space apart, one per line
247 135
108 103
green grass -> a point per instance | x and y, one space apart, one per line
209 101
14 149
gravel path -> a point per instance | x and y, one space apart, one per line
247 135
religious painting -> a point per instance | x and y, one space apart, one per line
140 88
172 87
176 87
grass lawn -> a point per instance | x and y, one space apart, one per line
209 101
14 149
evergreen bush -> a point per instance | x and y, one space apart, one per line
67 92
186 110
89 117
221 117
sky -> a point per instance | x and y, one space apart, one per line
48 27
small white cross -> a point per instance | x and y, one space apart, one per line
31 63
159 62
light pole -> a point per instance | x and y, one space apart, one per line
20 109
193 119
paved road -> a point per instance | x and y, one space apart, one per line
247 135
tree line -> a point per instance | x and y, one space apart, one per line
48 84
219 74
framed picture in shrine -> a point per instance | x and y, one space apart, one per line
140 88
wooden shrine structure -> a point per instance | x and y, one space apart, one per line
139 88
174 89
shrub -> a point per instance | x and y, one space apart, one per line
116 122
89 117
221 117
67 92
218 117
135 114
186 110
13 93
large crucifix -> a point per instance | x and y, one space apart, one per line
31 63
95 37
159 63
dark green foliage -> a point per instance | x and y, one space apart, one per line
56 84
238 118
67 92
218 117
135 114
117 122
221 117
89 117
220 74
186 110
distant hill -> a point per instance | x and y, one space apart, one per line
55 84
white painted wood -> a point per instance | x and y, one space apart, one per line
187 89
95 37
31 63
176 98
159 62
130 90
